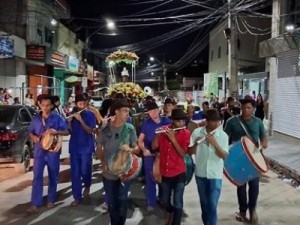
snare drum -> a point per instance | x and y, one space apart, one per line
135 169
190 167
120 162
244 162
189 163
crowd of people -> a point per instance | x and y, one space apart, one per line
118 128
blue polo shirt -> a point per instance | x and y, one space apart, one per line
54 121
148 129
81 141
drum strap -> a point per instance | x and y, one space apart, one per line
246 129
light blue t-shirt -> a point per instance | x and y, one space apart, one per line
207 163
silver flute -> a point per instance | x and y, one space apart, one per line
203 138
158 131
75 113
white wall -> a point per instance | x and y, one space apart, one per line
66 42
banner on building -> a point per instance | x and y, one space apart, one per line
36 52
90 72
73 64
210 84
58 59
6 48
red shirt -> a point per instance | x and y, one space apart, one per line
171 163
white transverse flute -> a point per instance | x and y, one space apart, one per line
158 131
75 113
203 138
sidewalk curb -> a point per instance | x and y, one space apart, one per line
283 169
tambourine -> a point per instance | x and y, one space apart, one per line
51 142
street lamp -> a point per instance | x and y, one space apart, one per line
53 22
290 28
152 59
110 25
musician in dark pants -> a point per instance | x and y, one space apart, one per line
111 140
236 128
173 146
81 149
46 121
146 137
209 164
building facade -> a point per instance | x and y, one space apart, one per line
282 53
44 52
250 67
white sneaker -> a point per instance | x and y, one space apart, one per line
103 208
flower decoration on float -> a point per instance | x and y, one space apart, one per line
130 90
121 56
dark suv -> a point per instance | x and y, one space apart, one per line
15 143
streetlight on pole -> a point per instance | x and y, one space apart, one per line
110 24
152 59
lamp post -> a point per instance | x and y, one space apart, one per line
232 41
152 59
110 24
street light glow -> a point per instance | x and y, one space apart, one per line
152 59
53 22
110 24
290 27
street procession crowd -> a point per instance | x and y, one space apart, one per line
167 147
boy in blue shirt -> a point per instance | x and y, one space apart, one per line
81 149
45 121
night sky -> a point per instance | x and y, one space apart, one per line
89 16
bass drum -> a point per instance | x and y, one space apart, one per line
190 167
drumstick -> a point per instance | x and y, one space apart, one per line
203 138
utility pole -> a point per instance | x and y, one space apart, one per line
232 59
86 47
165 77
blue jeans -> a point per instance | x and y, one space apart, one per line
209 192
116 194
253 195
175 185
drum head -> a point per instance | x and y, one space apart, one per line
120 162
135 169
47 141
255 155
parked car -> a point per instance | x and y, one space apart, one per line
15 143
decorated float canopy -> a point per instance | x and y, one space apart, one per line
130 90
121 56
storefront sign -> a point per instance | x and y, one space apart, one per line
73 64
58 59
36 52
6 48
